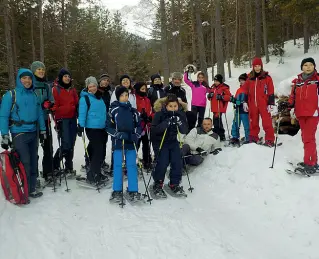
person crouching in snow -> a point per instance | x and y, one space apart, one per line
92 118
219 97
145 109
126 81
200 142
20 113
166 126
124 126
199 91
240 114
260 91
304 98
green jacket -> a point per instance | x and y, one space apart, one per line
44 93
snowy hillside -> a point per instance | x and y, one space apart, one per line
240 208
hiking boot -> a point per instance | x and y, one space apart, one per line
35 194
269 143
234 141
116 196
158 191
253 139
134 196
176 188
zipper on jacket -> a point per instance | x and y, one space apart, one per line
256 91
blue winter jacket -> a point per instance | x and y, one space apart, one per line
95 117
124 119
26 113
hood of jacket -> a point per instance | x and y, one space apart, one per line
19 85
160 103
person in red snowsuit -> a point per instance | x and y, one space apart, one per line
259 88
304 98
219 97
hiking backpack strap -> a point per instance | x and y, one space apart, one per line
88 103
13 99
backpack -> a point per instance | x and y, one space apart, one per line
13 178
88 104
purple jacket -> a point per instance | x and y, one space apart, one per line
198 92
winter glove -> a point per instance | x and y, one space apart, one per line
144 117
210 96
232 99
201 151
190 69
47 105
5 142
57 126
216 151
42 137
121 135
270 108
80 131
245 107
219 97
283 106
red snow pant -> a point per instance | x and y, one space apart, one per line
308 126
266 122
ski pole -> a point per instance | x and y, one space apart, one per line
140 166
227 125
276 141
149 144
184 160
123 166
51 151
153 169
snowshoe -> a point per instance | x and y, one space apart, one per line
134 197
71 174
84 168
116 197
269 143
84 182
175 190
156 192
234 142
35 194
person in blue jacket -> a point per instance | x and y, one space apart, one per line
92 117
124 126
21 113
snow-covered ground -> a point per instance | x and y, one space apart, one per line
240 209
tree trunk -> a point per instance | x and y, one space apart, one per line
174 36
194 52
7 28
247 29
179 37
212 40
164 42
294 33
219 40
305 33
14 43
201 44
32 36
228 47
65 51
258 29
236 47
265 31
41 31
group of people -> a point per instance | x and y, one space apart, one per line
158 118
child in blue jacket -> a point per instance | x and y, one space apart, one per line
92 117
21 113
124 126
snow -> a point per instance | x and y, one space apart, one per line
240 208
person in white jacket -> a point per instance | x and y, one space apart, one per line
200 142
126 81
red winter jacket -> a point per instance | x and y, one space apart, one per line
218 105
260 91
304 96
143 105
65 102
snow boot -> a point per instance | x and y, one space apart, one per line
116 197
253 139
269 143
134 196
158 191
177 189
234 141
35 194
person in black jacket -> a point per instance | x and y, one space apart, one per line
175 87
156 90
166 126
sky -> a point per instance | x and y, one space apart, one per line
118 4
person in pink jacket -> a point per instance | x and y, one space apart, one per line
199 91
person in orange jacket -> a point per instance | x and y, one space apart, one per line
219 97
304 98
260 91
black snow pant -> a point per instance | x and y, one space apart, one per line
67 129
147 159
47 161
95 149
26 145
200 112
218 126
189 158
104 145
169 154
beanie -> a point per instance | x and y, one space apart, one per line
27 72
257 61
119 90
138 86
123 77
219 78
311 60
153 77
35 65
90 80
62 73
177 75
243 77
104 76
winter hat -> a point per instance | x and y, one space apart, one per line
63 72
153 77
257 61
104 76
138 86
119 90
311 60
90 80
177 75
243 77
35 65
123 77
26 73
219 78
